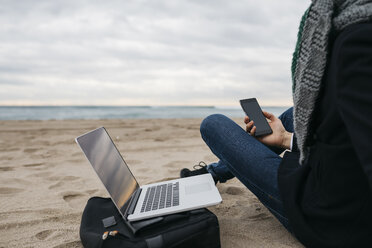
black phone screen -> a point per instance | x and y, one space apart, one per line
254 111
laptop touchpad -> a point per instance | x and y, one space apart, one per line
197 188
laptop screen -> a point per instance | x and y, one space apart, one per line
109 166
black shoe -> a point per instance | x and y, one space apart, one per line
199 169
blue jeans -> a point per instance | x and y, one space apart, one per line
242 156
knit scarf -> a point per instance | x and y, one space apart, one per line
311 56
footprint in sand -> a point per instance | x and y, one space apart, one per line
44 234
49 154
70 178
6 168
5 158
193 128
234 190
45 143
152 129
261 216
7 190
160 139
56 185
31 150
74 199
32 165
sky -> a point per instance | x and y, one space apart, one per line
147 52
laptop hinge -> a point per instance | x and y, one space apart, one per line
133 202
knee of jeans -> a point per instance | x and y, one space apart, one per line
287 114
210 124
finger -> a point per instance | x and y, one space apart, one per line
249 126
246 120
253 131
268 115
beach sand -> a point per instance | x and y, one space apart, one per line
45 180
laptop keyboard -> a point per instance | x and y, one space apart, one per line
161 196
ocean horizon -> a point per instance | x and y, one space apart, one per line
122 112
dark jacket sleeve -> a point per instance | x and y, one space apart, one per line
354 94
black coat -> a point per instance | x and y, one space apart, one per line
329 199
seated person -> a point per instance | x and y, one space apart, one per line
321 189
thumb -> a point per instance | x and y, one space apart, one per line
269 116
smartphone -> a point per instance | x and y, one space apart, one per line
254 111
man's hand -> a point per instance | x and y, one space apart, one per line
280 137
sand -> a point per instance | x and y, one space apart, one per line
45 180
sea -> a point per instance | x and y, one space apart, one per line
121 112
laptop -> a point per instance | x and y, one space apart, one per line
136 202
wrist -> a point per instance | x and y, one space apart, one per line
286 141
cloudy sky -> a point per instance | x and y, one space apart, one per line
147 52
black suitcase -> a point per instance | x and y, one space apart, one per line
102 226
